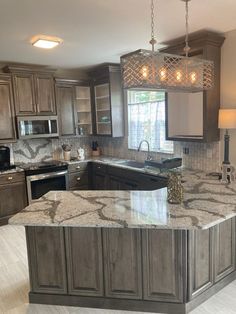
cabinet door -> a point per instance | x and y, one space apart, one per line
99 181
84 256
122 259
163 265
7 121
65 109
201 250
78 180
10 205
46 255
45 99
225 249
114 183
23 84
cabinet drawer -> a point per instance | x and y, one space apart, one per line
76 167
100 168
12 177
78 179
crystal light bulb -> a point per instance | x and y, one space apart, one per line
178 76
193 77
162 74
144 71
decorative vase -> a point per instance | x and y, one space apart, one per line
175 190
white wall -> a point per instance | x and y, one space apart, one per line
228 85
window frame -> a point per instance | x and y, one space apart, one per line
143 148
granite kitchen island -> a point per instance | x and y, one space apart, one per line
131 250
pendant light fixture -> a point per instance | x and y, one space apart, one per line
150 69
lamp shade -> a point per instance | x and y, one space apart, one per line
227 119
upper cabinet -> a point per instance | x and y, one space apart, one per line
194 117
74 107
33 90
108 100
7 114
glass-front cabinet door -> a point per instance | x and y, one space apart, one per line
103 109
83 110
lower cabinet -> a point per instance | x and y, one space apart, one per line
211 256
13 197
163 265
47 263
201 258
122 263
225 249
84 261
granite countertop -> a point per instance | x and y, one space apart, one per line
17 169
207 202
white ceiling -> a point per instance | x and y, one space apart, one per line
96 31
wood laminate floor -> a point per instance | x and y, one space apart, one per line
14 285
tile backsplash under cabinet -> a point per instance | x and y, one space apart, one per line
201 156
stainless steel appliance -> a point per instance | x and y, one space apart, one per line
5 158
44 177
37 127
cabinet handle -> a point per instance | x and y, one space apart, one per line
78 167
9 178
99 167
78 179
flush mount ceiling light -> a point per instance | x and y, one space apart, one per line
45 42
150 69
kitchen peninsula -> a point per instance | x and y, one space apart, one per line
131 250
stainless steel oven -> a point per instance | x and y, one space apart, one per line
41 179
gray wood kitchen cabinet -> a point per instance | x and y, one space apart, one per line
201 261
13 197
122 263
7 113
65 109
73 107
163 272
108 100
85 266
79 176
46 245
194 116
224 259
33 90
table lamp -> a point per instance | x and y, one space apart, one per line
227 120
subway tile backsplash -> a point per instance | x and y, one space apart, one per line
201 156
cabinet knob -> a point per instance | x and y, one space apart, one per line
99 167
78 179
9 178
78 167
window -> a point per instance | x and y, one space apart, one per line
146 120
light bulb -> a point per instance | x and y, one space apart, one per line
145 71
178 76
193 77
163 74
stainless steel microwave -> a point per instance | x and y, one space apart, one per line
37 127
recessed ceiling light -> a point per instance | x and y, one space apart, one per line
45 42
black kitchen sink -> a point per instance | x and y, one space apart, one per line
132 163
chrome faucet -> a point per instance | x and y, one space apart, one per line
149 157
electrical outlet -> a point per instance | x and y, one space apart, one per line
209 153
185 150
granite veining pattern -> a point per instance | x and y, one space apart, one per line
207 202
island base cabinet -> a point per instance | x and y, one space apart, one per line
164 265
84 261
149 270
122 263
211 256
46 256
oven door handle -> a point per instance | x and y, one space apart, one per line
38 177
